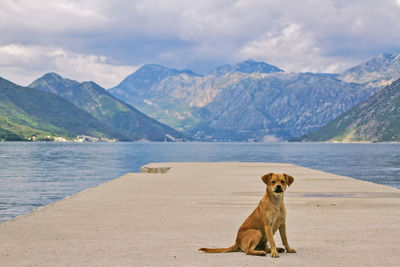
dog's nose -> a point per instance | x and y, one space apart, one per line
278 186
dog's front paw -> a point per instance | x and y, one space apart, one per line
262 253
291 250
274 253
280 250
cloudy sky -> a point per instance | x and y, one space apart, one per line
105 40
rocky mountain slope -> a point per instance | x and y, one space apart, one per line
376 119
26 113
141 81
175 97
378 71
280 106
118 115
248 100
248 66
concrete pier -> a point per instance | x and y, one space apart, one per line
162 216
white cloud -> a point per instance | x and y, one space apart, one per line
323 35
292 49
49 17
290 42
312 35
24 64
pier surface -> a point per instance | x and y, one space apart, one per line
162 216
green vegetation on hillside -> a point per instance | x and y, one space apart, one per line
375 120
95 100
11 131
26 112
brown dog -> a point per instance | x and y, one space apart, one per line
269 216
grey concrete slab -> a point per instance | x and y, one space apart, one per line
161 219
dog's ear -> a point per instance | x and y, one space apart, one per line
289 179
266 178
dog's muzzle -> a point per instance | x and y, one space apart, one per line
278 189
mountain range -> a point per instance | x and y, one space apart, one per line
235 102
245 101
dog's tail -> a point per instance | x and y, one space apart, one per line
233 248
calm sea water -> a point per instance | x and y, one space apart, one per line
36 174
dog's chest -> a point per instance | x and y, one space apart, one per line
276 217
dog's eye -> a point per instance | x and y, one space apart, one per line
273 182
283 182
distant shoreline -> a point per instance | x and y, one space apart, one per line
247 142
